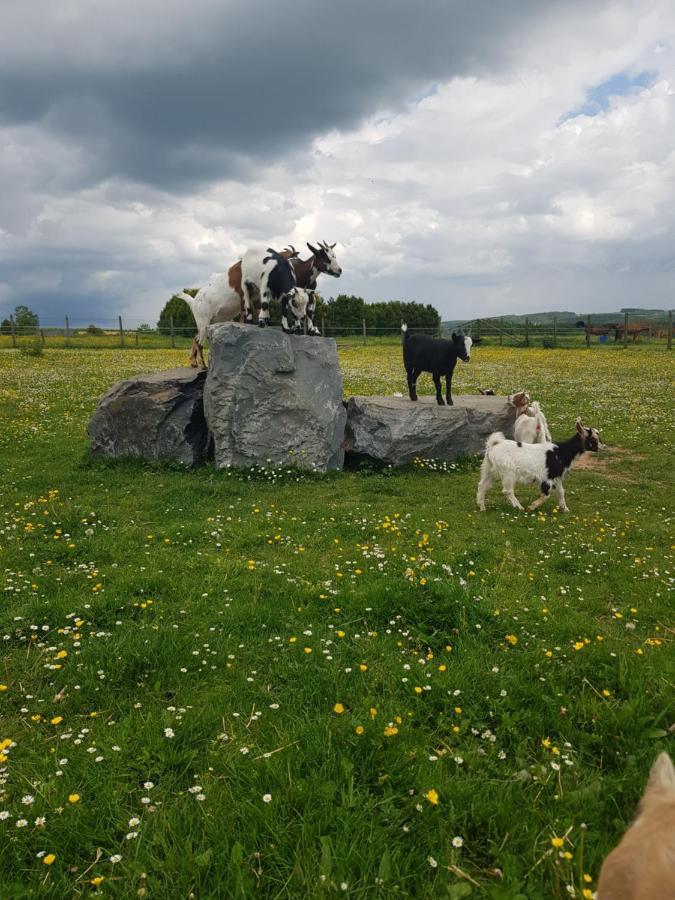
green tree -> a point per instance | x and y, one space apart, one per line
181 313
25 317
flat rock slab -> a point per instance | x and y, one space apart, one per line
274 399
159 416
395 430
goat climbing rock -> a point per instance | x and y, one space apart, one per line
273 399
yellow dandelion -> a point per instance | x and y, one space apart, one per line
73 798
432 797
339 708
49 859
557 842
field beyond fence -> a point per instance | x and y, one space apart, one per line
632 331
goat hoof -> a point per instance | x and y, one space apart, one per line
314 332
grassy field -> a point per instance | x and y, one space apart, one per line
283 686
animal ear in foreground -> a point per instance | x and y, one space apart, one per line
643 865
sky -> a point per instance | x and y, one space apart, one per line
489 158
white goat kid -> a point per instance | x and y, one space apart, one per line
532 427
514 462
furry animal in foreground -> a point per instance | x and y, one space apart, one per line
642 867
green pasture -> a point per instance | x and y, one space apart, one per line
276 685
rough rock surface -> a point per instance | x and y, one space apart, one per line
156 416
394 430
274 399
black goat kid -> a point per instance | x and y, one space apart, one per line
422 353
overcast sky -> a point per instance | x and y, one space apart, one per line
489 158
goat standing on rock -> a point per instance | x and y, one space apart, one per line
545 464
232 294
273 278
422 353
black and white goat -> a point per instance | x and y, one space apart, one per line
270 276
514 462
422 353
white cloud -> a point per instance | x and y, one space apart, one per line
481 197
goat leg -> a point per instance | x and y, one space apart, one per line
311 327
439 394
543 497
248 305
448 394
284 316
412 384
194 350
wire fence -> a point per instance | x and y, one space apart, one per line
630 331
627 330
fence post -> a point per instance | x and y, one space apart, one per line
42 337
323 326
137 337
478 328
440 327
588 331
527 332
625 330
119 319
173 336
555 332
670 329
67 333
501 332
13 330
364 332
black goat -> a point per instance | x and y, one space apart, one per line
422 353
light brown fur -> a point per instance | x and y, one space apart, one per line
642 867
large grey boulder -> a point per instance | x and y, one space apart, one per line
156 416
395 430
274 398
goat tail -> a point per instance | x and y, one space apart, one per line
495 438
184 296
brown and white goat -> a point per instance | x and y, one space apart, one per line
530 426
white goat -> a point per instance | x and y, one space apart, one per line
217 301
544 464
532 427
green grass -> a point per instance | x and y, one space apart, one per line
383 570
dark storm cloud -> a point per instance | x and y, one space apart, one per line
180 94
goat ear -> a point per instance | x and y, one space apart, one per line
454 336
580 426
313 250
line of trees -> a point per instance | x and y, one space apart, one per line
343 311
